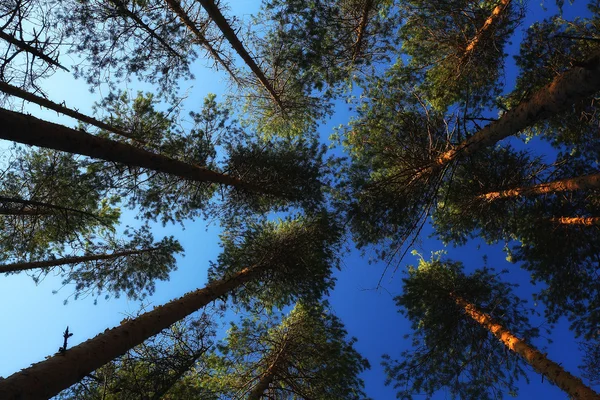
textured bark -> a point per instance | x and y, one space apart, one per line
364 20
122 7
15 91
570 384
557 96
269 375
562 185
588 221
491 20
30 49
32 207
216 15
176 7
24 266
29 130
47 378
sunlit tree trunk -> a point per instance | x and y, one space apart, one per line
176 7
364 20
24 266
570 384
269 375
30 49
216 15
29 130
494 16
123 8
17 92
555 97
47 378
562 185
588 221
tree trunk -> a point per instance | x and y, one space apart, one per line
48 206
364 20
589 221
269 375
30 49
24 266
29 130
570 384
495 16
164 389
557 96
15 91
215 14
562 185
47 378
176 7
123 8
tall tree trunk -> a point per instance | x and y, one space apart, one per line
47 378
29 130
176 7
123 8
269 375
33 208
555 97
24 266
494 16
589 221
362 26
570 384
562 185
216 15
30 49
15 91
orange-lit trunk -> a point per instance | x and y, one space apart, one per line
494 16
215 14
269 375
570 384
49 377
562 185
184 17
588 221
555 97
362 26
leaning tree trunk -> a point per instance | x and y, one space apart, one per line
555 97
269 375
570 384
49 377
562 185
15 91
164 388
215 14
29 130
30 49
587 221
32 207
176 7
25 266
491 20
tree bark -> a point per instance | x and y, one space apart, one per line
557 96
216 15
364 20
570 384
15 91
269 375
562 185
176 7
588 221
494 16
47 378
122 7
24 266
29 130
30 49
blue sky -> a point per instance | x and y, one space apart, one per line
34 318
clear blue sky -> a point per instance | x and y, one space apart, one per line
34 318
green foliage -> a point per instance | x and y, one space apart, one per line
156 369
296 255
307 354
450 350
